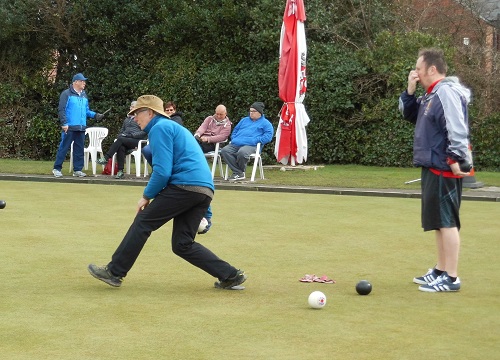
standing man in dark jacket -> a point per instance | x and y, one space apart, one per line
441 149
73 112
128 138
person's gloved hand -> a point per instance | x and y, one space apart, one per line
98 117
123 135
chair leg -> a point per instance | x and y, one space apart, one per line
113 164
128 159
221 168
137 159
226 174
261 168
71 159
86 155
93 158
146 169
214 165
254 168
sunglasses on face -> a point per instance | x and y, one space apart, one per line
139 111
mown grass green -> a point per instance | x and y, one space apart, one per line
52 308
347 176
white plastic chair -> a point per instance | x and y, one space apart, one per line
137 154
217 159
257 163
96 136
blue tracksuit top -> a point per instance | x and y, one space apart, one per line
249 132
74 109
177 157
441 123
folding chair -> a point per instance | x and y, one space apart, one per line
257 163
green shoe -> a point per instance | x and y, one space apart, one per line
120 175
101 161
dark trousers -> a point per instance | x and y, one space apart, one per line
78 140
186 208
120 147
207 147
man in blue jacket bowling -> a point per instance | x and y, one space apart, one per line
180 188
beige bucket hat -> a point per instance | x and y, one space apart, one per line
151 102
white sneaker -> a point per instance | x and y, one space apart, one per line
237 177
441 284
79 174
427 278
57 173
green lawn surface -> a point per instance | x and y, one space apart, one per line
343 176
51 308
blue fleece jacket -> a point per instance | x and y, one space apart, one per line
249 132
177 157
74 109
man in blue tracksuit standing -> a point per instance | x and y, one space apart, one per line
249 131
441 149
180 188
73 113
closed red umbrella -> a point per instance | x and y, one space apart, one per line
291 139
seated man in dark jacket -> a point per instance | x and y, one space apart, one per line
128 138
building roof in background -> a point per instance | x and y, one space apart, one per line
490 10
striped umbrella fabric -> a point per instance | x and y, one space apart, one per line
291 137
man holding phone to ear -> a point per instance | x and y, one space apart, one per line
441 149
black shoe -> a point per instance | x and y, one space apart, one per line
236 280
237 287
102 273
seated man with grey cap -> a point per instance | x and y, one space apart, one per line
180 189
249 131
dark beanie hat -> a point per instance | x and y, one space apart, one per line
259 106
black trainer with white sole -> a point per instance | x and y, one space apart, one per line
102 273
232 282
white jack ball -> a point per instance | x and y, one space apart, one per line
317 300
203 225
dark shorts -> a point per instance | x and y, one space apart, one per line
441 197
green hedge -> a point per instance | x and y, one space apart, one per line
203 53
